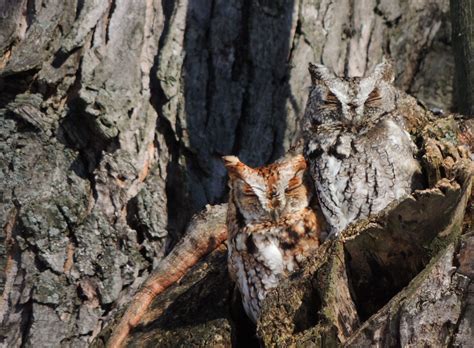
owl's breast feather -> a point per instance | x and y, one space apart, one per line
272 257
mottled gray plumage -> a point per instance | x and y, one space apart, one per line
360 155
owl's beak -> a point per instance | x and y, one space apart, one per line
275 215
275 206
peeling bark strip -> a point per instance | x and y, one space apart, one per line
207 231
114 115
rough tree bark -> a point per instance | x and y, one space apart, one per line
114 115
462 15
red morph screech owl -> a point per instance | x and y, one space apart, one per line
271 228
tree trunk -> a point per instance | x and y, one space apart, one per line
114 116
462 16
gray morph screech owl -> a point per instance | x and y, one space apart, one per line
360 155
271 228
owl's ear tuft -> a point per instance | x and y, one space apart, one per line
233 165
295 165
384 70
299 163
319 73
230 161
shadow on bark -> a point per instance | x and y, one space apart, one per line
235 80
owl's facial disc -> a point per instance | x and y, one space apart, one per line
351 102
266 193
